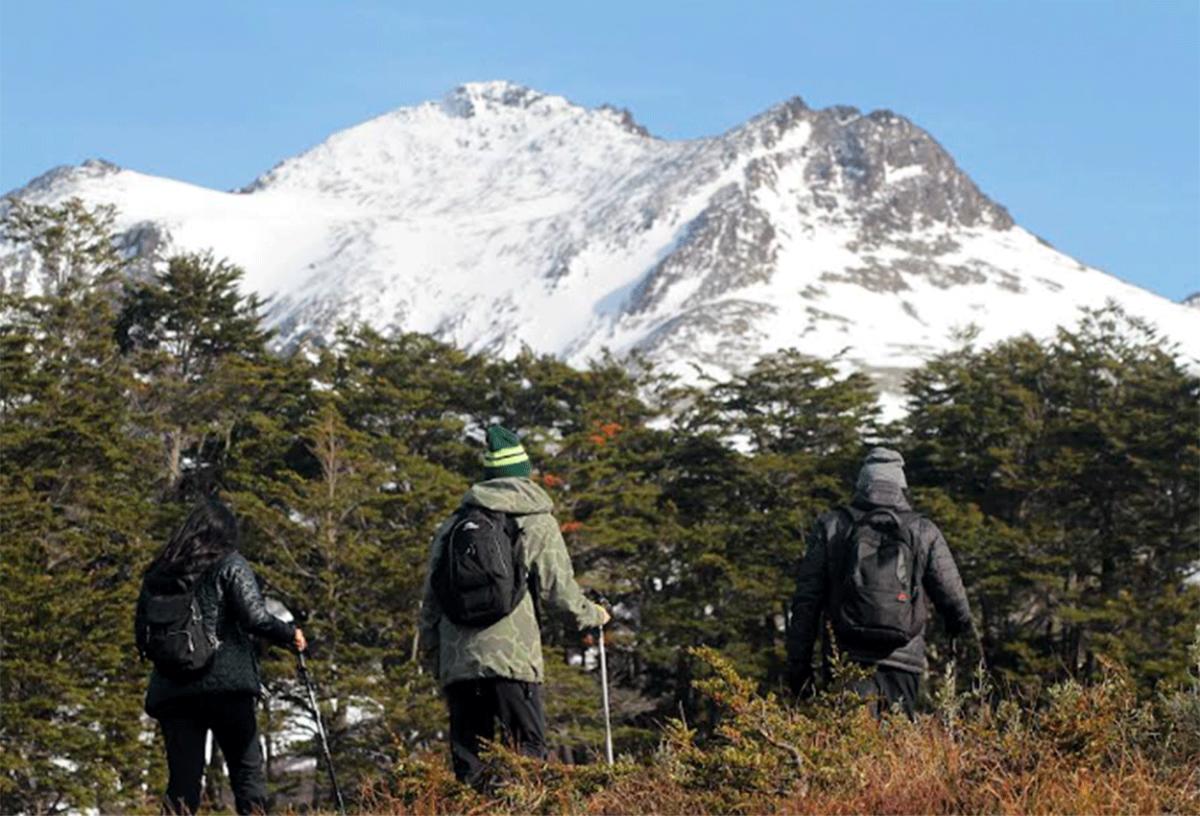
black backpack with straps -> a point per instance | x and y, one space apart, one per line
480 575
173 633
879 599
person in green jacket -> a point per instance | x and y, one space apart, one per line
494 674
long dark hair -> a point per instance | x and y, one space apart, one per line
208 534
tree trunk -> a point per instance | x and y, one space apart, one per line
174 456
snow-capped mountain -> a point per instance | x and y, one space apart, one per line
500 217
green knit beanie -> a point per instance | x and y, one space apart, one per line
505 456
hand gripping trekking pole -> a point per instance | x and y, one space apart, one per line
316 711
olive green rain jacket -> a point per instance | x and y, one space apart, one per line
511 647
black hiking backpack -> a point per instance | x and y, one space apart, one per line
173 634
480 576
879 601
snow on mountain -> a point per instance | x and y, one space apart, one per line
500 217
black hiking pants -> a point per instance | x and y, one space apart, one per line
185 726
888 687
476 706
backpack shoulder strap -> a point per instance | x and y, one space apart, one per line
907 522
512 527
838 546
852 516
533 583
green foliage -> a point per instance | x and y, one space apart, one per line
74 517
196 345
1063 475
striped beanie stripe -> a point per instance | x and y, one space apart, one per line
505 455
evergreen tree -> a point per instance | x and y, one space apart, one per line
806 426
1068 472
1124 474
599 461
975 438
1063 474
197 345
340 526
73 519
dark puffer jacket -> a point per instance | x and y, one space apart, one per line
823 565
233 609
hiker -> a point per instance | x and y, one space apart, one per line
198 608
869 571
494 565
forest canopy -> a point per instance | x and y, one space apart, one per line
1063 472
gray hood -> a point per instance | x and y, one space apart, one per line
881 494
881 481
882 465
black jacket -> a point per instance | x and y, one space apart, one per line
233 610
823 566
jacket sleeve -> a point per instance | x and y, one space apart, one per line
808 601
246 602
944 584
431 613
555 576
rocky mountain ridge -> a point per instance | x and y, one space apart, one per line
500 217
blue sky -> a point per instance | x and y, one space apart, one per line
1082 117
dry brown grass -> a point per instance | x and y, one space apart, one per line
1093 749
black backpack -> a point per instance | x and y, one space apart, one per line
480 576
173 633
878 601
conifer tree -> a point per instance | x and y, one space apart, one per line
197 345
802 427
73 518
341 528
1062 469
599 462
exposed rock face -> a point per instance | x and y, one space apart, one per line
67 174
731 239
501 217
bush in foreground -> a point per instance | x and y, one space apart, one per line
1081 749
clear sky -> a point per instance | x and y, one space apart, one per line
1082 117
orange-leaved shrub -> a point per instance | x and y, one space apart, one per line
1092 748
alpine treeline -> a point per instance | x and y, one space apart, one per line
1063 472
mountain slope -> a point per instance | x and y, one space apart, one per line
500 217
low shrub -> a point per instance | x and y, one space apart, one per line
1079 749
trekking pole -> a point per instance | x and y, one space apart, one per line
608 751
316 711
982 670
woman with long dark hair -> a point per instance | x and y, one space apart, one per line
198 608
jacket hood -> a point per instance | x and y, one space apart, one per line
511 494
881 494
882 465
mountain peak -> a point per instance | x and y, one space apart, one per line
501 217
469 98
67 174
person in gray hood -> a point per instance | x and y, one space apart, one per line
870 570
